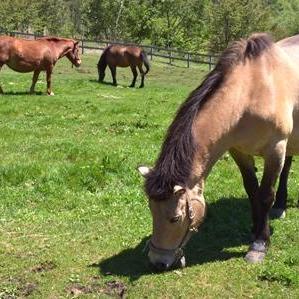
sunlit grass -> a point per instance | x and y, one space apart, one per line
73 216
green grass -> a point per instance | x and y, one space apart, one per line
73 215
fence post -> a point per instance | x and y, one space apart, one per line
210 62
82 46
188 60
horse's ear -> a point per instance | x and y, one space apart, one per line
76 42
144 170
178 190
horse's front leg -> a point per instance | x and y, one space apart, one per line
248 171
34 80
280 205
49 75
263 200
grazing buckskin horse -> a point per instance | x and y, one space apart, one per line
248 105
123 56
25 56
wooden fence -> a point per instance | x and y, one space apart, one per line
152 51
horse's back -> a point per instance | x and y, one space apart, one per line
124 56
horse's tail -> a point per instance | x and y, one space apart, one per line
145 61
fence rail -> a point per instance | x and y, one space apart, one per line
152 51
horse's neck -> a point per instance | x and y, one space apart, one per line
62 48
213 131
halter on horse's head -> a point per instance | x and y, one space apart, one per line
183 211
73 55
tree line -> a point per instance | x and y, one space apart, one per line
195 25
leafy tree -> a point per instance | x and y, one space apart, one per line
285 21
16 15
106 19
234 19
174 21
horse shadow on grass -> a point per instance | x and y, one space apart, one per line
22 93
227 226
108 83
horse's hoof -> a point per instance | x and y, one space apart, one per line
277 213
141 86
255 257
257 252
181 262
51 93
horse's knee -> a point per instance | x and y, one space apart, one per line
266 197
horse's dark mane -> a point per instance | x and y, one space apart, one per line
54 39
174 163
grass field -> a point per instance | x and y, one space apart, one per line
73 216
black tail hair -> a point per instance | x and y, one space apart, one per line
145 61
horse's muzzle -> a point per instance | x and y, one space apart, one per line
163 259
77 63
161 266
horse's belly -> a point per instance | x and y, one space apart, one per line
22 66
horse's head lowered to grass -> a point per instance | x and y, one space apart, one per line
73 54
175 218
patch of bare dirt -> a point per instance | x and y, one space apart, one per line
27 289
77 289
44 267
112 288
21 289
115 288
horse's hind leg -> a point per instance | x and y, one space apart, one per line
142 75
263 200
113 73
34 80
279 207
135 74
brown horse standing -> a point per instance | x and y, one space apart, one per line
123 56
248 105
37 55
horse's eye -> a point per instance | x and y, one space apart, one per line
175 219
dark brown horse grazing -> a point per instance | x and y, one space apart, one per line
248 105
123 56
37 55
